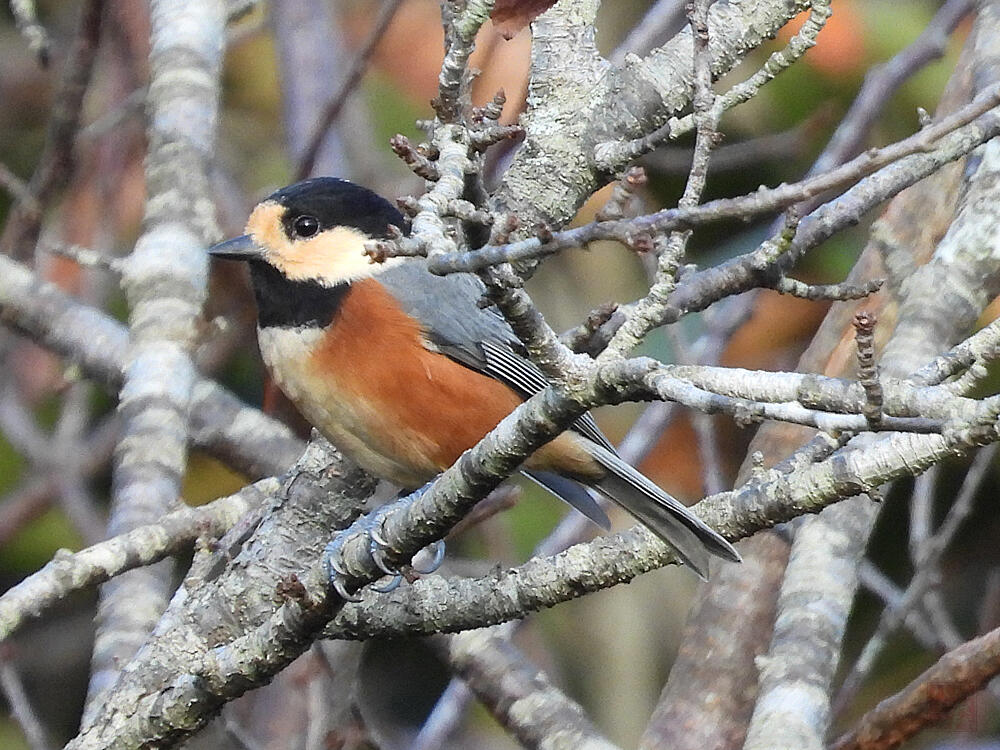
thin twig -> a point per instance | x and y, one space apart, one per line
355 73
444 718
864 339
56 162
891 595
18 189
20 706
707 111
836 292
27 23
928 699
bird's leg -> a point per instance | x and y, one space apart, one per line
371 524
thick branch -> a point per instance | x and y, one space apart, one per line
576 99
165 279
228 593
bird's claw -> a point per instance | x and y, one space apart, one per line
340 587
377 544
377 551
335 571
438 550
391 586
378 548
377 537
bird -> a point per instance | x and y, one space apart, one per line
403 370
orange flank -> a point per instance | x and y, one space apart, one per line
413 407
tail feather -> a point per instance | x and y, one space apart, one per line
571 492
664 515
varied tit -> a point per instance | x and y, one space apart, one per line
403 370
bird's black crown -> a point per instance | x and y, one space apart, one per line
337 203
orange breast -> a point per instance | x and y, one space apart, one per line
415 410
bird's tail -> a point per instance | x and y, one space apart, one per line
662 514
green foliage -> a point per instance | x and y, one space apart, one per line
37 542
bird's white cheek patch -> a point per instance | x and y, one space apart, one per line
264 225
332 257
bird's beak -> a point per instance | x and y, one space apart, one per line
238 248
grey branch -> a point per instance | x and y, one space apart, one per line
75 571
165 280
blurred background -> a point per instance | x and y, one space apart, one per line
610 651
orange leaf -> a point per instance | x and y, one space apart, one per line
510 16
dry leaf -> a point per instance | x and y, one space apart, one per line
510 16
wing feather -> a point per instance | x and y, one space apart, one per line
476 337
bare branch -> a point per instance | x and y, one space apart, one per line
881 81
165 279
611 154
335 105
21 708
572 83
144 545
250 441
905 155
518 695
56 162
927 576
941 292
928 699
27 24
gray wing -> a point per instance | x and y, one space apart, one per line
476 337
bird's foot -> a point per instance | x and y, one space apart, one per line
379 546
379 549
336 574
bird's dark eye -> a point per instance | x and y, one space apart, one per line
305 226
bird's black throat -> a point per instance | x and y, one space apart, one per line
284 303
